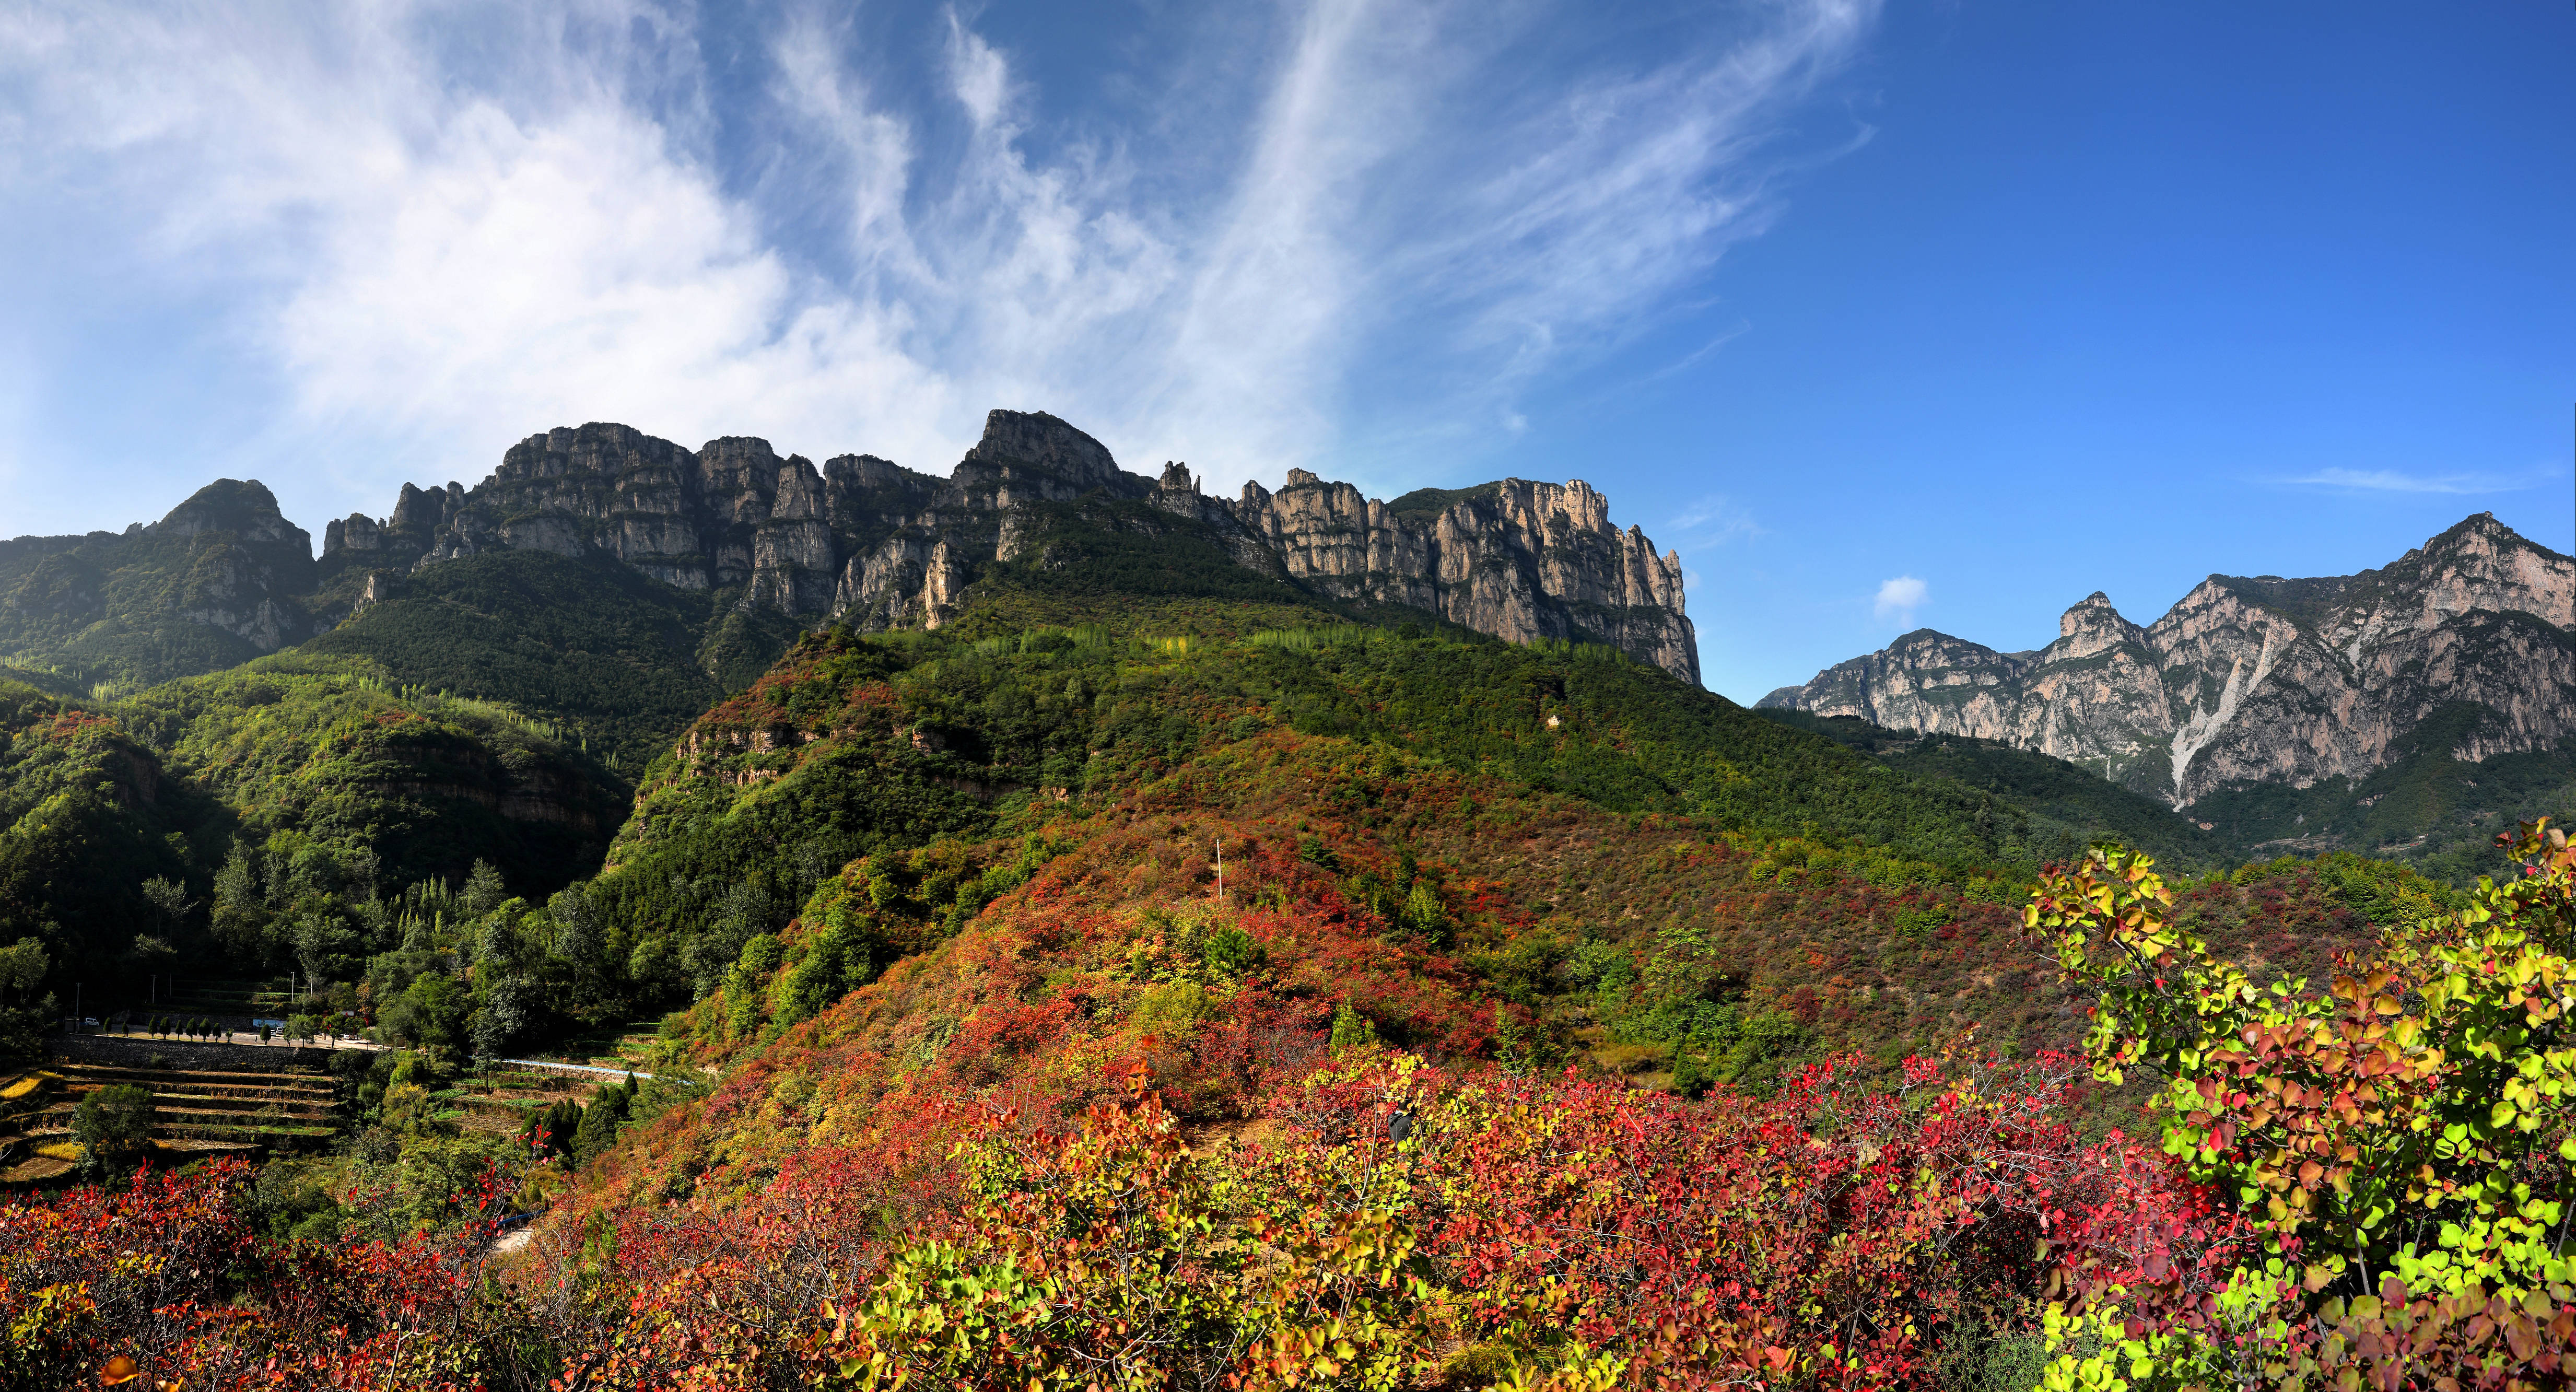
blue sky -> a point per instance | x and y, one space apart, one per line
1918 314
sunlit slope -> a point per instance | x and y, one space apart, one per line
991 870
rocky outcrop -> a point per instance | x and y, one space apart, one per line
1035 457
881 546
2259 680
225 559
1516 559
906 582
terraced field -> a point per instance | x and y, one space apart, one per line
501 1101
196 1112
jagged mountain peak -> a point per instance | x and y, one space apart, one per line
2092 611
1046 442
2478 525
2261 679
2089 628
1933 639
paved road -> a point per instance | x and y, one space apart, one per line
575 1067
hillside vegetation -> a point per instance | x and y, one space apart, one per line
623 659
2427 808
1596 863
210 585
1144 983
269 819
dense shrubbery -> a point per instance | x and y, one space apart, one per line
2368 1180
1404 1223
168 1278
2394 1151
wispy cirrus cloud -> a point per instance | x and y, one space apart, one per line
2397 481
1711 520
1708 523
429 226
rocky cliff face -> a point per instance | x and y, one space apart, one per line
2260 680
1515 559
881 546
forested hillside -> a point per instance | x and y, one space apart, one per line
623 659
214 583
271 818
1415 867
1285 963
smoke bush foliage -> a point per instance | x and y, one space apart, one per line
2391 1156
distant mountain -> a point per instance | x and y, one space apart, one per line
2059 798
2344 689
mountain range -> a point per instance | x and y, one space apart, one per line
2399 709
872 544
879 546
507 674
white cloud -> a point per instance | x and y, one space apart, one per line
438 226
1899 598
2393 481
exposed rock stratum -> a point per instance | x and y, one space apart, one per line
880 546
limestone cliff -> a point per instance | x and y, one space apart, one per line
2261 680
1515 559
880 546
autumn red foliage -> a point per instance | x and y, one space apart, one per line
164 1272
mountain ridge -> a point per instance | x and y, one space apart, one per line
870 541
2252 681
776 543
